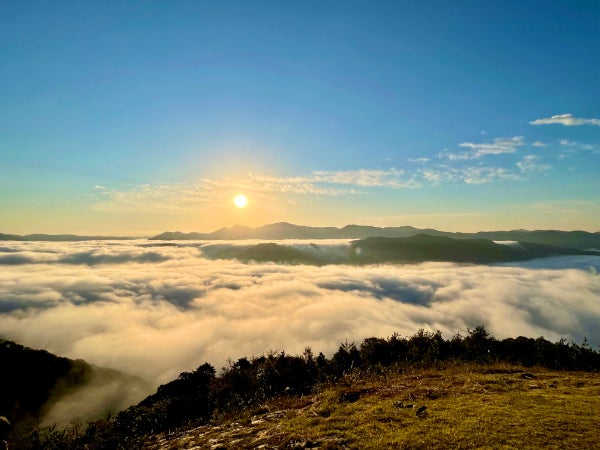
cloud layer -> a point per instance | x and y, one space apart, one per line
113 305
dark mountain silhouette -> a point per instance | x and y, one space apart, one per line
59 237
10 237
283 230
373 250
275 253
568 239
34 382
423 247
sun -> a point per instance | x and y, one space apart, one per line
240 201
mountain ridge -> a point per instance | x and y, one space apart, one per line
60 237
283 230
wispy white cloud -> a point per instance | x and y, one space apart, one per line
566 153
481 175
390 178
578 145
496 147
468 175
477 150
301 185
166 198
539 144
440 174
567 143
531 164
332 182
571 148
184 197
568 120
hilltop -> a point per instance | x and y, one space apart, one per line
421 391
469 406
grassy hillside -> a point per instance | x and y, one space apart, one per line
404 392
465 406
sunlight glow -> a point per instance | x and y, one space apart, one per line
240 201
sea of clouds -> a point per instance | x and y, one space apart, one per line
154 309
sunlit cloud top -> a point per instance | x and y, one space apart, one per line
171 308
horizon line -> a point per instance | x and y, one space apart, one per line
144 236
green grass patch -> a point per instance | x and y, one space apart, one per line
466 407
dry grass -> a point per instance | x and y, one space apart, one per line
467 407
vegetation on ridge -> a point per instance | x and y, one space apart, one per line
202 396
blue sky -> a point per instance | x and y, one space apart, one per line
137 117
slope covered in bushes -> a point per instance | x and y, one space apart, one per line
203 395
